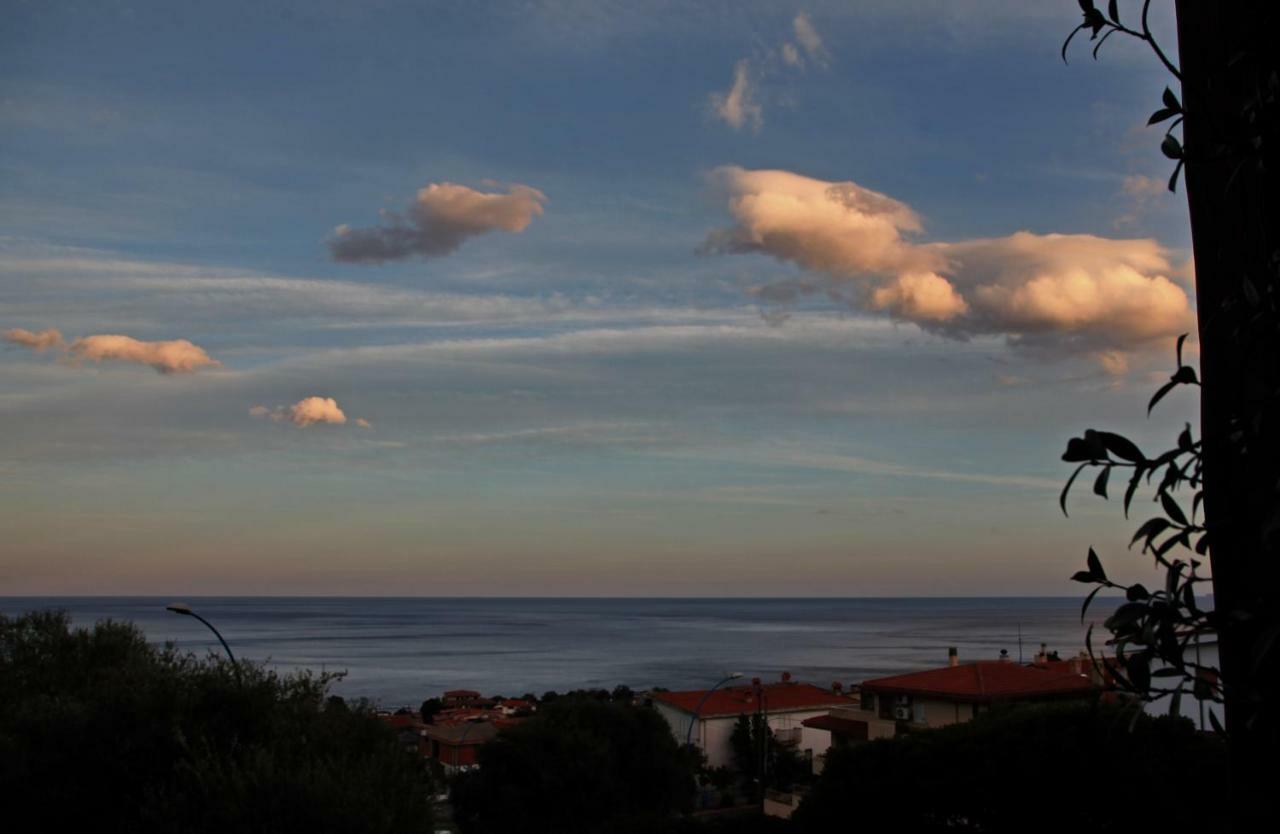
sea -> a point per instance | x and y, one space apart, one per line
400 651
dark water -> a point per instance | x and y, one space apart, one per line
400 651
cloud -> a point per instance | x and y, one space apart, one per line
809 39
38 341
738 107
439 220
172 357
308 411
177 356
1049 293
1142 191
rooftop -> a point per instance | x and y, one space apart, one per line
736 700
988 680
850 728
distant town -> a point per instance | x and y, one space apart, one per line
806 719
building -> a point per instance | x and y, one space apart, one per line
957 692
1202 650
712 714
456 746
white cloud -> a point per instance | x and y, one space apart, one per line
41 340
810 39
177 356
1052 293
440 219
738 107
308 411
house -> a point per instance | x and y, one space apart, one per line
456 746
707 717
1202 650
957 692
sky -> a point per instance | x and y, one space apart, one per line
573 298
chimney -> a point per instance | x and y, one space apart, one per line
786 677
953 656
1004 655
1043 657
836 686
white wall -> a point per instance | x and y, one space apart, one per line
1206 654
712 734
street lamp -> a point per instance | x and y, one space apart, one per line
732 676
185 610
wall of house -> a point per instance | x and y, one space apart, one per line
712 735
1205 653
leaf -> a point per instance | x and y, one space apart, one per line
1202 544
1172 578
1100 483
1171 147
1173 178
1172 509
1067 42
1178 349
1122 447
1132 488
1139 668
1163 114
1113 10
1085 608
1171 101
1083 576
1062 499
1184 439
1250 292
1186 375
1149 530
1217 725
1126 615
1095 565
1159 395
1136 592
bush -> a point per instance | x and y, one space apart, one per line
579 765
99 731
1071 767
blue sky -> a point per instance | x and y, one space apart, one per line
797 352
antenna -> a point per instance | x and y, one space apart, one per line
1019 643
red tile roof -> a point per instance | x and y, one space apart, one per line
737 700
849 728
986 681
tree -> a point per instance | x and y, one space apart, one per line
579 765
1229 116
1043 768
101 731
429 708
760 759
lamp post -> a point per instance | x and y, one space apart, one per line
185 610
732 676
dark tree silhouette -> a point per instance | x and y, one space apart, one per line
1229 116
99 731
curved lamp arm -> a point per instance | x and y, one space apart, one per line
688 736
185 610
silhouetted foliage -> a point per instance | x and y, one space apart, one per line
760 759
100 731
1062 767
579 765
1229 114
429 708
